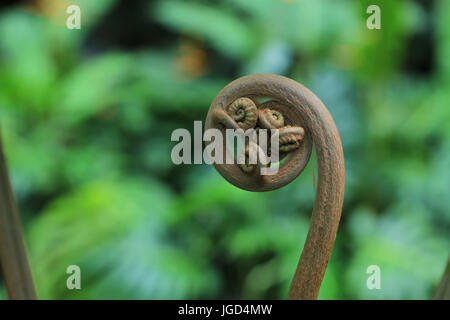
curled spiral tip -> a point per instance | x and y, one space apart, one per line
270 119
244 112
261 158
290 138
247 168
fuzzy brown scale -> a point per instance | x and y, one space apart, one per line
244 113
290 138
246 166
270 119
306 122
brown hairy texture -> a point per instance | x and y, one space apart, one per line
244 112
307 122
270 119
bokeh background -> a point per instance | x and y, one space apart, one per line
87 115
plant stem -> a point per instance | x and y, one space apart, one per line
14 261
443 290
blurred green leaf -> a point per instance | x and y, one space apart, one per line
214 24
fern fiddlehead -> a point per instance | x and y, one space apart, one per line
302 121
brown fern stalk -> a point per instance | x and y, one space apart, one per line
13 256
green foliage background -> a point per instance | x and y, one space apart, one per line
87 116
